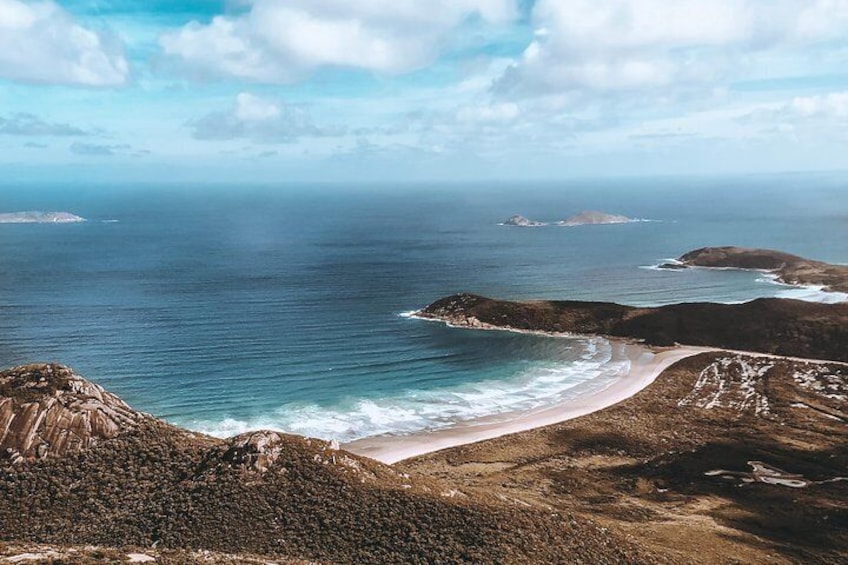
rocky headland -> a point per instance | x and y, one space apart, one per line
40 218
767 325
788 269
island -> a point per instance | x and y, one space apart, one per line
786 268
522 222
35 217
589 218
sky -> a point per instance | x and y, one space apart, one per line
329 90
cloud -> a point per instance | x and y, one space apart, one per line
489 113
599 46
30 125
256 118
280 42
41 43
824 106
828 109
99 150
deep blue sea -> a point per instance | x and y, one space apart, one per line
228 308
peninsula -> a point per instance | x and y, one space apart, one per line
818 331
788 269
35 217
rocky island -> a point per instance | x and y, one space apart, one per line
39 218
788 269
594 218
522 222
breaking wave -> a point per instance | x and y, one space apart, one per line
424 410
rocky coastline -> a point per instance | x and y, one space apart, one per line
768 325
787 268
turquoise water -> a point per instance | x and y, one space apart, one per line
231 308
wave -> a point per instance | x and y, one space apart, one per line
807 293
667 261
544 384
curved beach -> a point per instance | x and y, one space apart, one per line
646 364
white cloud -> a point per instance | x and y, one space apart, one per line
627 45
41 43
282 41
489 113
833 105
256 118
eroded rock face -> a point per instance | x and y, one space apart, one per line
48 410
255 450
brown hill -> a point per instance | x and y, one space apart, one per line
767 325
125 479
790 269
725 458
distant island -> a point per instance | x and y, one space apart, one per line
586 218
590 217
35 217
522 222
787 268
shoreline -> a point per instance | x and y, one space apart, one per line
646 364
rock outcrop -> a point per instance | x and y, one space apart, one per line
788 269
48 410
522 222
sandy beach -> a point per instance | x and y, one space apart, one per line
646 364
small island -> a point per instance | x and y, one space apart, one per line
35 217
522 222
786 268
590 218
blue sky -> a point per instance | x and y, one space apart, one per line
420 89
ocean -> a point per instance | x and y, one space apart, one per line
230 308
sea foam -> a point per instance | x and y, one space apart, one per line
542 385
808 293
